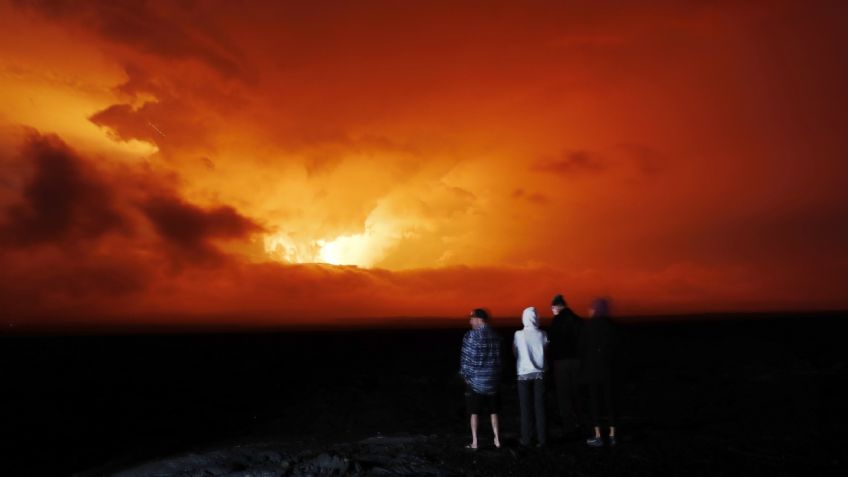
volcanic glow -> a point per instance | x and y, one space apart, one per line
384 159
364 249
344 250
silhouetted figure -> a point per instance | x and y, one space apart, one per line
480 367
563 353
596 352
529 347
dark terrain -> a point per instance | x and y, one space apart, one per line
717 397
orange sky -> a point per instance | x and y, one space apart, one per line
196 159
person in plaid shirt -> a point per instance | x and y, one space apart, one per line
480 367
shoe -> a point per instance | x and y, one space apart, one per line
595 442
612 441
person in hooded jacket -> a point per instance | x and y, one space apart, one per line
529 347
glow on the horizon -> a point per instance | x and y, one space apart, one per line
343 250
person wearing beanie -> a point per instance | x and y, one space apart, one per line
596 350
564 335
480 367
529 345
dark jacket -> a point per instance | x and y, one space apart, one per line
597 341
564 335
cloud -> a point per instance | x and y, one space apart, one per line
108 278
191 228
77 237
534 197
571 162
639 153
64 200
179 30
167 123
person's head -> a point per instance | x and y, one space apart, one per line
478 317
557 304
530 318
600 307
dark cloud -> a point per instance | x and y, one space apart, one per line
191 228
571 162
178 30
165 123
100 253
64 199
127 122
534 197
153 109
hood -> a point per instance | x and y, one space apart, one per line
530 318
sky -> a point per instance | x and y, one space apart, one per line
266 163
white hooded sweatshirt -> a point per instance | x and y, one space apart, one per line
529 344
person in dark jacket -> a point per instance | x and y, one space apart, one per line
596 355
564 334
480 367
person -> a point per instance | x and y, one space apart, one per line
480 367
528 345
596 351
564 336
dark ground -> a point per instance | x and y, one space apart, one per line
763 396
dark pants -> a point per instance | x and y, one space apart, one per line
536 388
600 392
477 403
567 379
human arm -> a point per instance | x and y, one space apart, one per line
466 361
515 344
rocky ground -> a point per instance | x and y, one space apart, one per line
445 456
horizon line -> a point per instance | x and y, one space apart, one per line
93 328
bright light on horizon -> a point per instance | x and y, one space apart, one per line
353 249
381 232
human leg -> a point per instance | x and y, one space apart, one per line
539 405
562 389
472 403
593 398
474 422
496 430
524 406
594 414
609 399
572 384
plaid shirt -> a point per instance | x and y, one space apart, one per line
480 361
